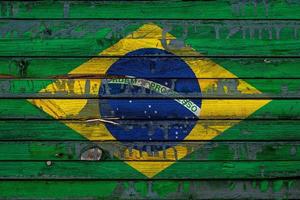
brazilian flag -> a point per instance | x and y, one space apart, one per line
119 108
151 77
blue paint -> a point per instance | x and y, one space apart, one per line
140 67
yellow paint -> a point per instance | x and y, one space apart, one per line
150 36
215 109
92 131
60 108
149 168
170 154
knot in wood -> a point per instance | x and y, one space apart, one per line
91 154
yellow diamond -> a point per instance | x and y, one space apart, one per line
147 36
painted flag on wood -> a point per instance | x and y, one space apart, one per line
201 101
132 77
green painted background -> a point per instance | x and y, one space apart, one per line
256 40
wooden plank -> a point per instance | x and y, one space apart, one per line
113 150
152 189
263 130
242 67
207 37
279 9
162 88
119 170
231 109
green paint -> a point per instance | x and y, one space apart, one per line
48 189
276 109
112 190
174 9
63 38
270 88
42 68
120 170
232 170
278 185
247 130
264 186
36 130
211 151
22 107
101 34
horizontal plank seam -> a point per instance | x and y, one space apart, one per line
147 179
145 19
266 97
155 56
149 161
288 141
143 119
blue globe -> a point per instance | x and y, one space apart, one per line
150 115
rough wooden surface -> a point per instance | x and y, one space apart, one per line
253 130
210 151
53 141
281 109
154 189
58 67
208 37
217 88
278 9
182 170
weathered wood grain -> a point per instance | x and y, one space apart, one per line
154 189
201 151
181 170
151 9
253 130
242 67
208 37
276 109
215 88
42 156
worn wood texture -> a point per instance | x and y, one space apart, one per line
217 88
154 189
202 151
59 67
182 170
207 37
247 130
277 109
56 143
278 9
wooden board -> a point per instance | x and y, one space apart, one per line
148 9
182 170
276 109
149 99
247 130
59 67
98 151
207 37
162 189
229 88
